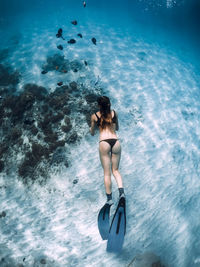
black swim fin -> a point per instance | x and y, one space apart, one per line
103 221
117 228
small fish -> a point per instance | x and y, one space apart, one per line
71 41
84 4
85 62
60 47
60 83
94 41
59 34
57 67
74 22
44 72
80 35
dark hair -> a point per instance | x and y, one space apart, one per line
106 117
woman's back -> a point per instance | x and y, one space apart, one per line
109 130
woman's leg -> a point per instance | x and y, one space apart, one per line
116 154
104 153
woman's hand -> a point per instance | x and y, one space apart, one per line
92 131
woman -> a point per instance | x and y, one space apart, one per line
109 145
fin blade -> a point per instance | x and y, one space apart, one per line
117 228
103 221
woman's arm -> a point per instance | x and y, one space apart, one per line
117 123
92 124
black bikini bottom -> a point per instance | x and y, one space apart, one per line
110 141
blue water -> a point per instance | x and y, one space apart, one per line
147 60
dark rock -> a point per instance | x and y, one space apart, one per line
21 104
8 76
25 170
5 91
46 121
67 164
61 91
45 108
72 138
39 92
44 72
3 149
72 41
60 47
34 130
60 143
94 41
67 121
3 214
74 22
80 35
45 124
57 117
31 159
29 121
60 83
58 102
15 134
66 128
53 146
91 98
59 156
85 62
66 111
73 85
75 70
51 138
29 167
43 261
2 112
54 102
1 165
4 54
56 62
27 99
39 151
75 181
48 130
10 102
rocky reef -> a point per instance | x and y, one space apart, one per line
37 127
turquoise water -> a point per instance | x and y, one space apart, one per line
147 62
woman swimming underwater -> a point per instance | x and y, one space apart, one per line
109 145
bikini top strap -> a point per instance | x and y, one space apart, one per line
97 116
